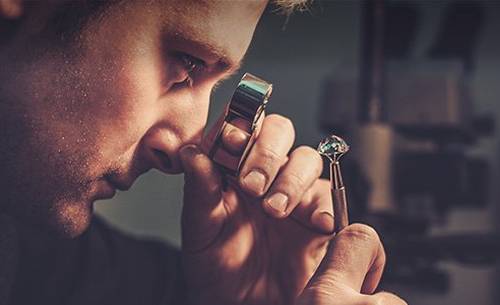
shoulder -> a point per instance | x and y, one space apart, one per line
147 267
102 234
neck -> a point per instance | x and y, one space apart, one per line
35 243
31 257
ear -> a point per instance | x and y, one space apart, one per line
11 9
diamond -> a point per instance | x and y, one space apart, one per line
333 147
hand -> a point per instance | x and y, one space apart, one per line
241 247
350 272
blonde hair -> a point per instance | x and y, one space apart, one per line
287 7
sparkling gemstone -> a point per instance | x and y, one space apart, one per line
333 147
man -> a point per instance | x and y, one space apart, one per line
93 94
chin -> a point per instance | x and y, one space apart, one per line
71 219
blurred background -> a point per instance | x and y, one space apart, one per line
414 87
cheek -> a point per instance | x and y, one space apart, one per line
120 114
54 123
185 113
90 117
124 79
122 105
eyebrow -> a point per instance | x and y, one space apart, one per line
223 62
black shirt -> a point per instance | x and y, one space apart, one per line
102 266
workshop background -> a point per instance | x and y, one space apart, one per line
414 87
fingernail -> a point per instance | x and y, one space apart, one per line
188 151
234 134
278 202
255 181
325 222
234 140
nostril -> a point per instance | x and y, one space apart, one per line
163 158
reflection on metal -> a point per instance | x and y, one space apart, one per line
247 105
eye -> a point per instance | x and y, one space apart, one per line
191 64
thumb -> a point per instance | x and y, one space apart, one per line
203 211
355 260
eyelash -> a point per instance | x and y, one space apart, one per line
192 65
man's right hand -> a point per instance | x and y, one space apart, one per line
350 272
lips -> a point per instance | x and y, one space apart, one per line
123 181
122 178
120 185
107 192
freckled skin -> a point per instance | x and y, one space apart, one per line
74 118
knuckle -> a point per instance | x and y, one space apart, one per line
267 155
312 155
384 298
312 295
295 182
308 151
281 122
377 300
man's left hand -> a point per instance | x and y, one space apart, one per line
259 239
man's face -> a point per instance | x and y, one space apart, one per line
76 125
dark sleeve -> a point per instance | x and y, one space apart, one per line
120 269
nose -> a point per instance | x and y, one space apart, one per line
180 122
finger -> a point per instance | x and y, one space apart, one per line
321 218
383 298
355 259
209 139
342 297
203 212
230 136
267 155
235 137
300 172
315 210
235 134
11 9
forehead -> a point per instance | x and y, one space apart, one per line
224 27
